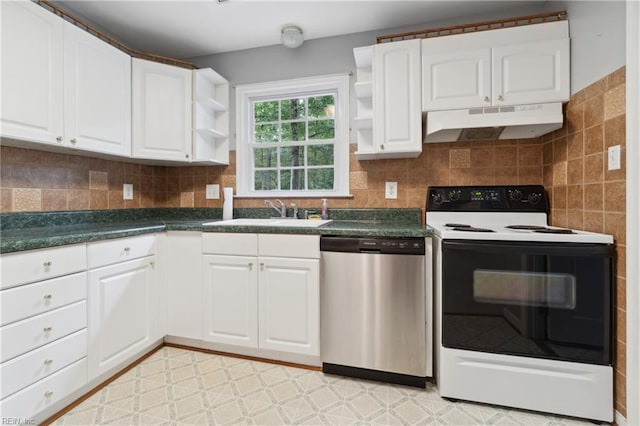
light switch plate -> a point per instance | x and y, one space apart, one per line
391 190
212 192
613 162
127 191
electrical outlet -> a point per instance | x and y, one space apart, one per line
613 158
213 192
127 191
391 190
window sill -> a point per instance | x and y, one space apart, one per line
290 196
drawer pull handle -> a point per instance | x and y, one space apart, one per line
48 361
48 296
500 98
48 394
261 265
127 249
47 264
250 266
47 329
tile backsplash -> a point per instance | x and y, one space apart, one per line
570 162
584 194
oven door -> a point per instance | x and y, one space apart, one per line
545 300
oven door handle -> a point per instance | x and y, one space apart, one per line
532 247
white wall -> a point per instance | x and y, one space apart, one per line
597 30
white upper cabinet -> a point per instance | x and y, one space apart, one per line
531 73
61 85
452 79
395 117
32 69
97 94
504 67
161 111
396 97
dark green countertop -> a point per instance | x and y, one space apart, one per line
28 231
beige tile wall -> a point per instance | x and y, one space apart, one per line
570 162
585 195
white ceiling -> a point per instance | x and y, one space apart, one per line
184 29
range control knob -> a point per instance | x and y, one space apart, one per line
437 198
534 198
515 195
454 195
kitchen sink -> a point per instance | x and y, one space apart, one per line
278 222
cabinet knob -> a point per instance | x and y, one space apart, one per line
152 263
48 394
47 329
59 139
47 264
186 156
381 147
73 141
48 296
486 99
250 266
261 265
500 98
127 249
48 361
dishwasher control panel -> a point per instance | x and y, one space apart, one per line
409 246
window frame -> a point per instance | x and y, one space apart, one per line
247 93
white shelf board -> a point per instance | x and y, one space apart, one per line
211 132
364 122
212 104
364 89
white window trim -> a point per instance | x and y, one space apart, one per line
246 92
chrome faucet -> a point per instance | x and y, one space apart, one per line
282 210
295 210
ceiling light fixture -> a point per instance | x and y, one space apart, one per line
291 36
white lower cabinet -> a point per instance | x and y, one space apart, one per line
231 300
120 301
264 302
289 317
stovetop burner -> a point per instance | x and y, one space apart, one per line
554 231
457 225
472 229
526 227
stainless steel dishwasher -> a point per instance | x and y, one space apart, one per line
373 309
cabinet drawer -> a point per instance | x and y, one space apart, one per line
230 244
30 401
278 245
28 300
27 369
37 265
120 250
25 335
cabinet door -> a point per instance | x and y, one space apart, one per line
456 80
31 73
230 300
120 313
97 86
531 73
289 305
396 97
161 111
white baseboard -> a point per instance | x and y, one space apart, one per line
620 419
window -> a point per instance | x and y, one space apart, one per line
293 138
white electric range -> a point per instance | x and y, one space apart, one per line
524 311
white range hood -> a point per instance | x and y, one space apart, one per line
509 122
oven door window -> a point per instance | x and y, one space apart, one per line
535 299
